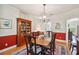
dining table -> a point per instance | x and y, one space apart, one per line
41 42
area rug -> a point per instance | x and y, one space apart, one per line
60 50
1 53
24 51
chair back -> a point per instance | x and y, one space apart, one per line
29 43
52 42
50 50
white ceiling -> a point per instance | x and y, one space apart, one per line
37 9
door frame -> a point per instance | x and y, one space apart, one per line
67 22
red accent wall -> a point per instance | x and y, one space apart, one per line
61 36
10 40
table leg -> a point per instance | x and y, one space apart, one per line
35 46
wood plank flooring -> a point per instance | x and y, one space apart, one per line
11 51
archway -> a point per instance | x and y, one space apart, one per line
72 27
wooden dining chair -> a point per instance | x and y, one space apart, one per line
30 45
49 50
28 41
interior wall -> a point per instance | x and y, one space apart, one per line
8 36
62 19
57 19
11 13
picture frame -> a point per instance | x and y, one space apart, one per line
5 23
57 26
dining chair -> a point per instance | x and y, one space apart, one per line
28 42
49 50
31 47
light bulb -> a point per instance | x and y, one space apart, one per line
44 16
40 18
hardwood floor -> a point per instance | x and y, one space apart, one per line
11 51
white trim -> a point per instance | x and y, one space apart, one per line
60 40
7 48
73 19
67 22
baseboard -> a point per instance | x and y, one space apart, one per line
7 48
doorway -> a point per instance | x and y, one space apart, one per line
72 28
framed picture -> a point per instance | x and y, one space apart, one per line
5 23
57 26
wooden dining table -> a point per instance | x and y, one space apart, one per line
40 42
43 42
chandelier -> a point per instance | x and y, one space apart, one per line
44 13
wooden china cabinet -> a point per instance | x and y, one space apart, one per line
23 27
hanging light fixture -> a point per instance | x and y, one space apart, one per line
44 14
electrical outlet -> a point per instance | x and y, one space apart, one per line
6 44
